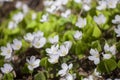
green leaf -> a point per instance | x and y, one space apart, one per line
8 76
32 24
40 76
96 32
44 62
118 64
107 66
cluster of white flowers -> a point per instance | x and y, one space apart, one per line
109 52
15 20
20 5
103 4
18 17
117 21
64 72
86 4
36 39
33 63
55 51
54 6
8 50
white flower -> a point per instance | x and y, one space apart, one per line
117 31
65 69
12 25
70 77
94 56
86 7
44 18
81 22
25 9
96 73
111 49
53 58
78 35
18 17
17 44
68 44
38 34
54 40
33 63
53 50
111 3
116 20
90 77
7 68
39 43
107 56
78 1
63 50
66 13
34 16
7 51
102 5
101 19
29 37
52 9
18 4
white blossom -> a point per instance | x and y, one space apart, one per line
117 31
116 20
18 4
111 3
102 5
53 50
81 22
111 49
66 13
33 63
94 56
39 42
7 68
86 7
38 34
68 44
78 1
53 58
63 50
44 18
18 17
54 40
78 35
12 25
65 69
101 19
107 56
7 51
17 44
29 37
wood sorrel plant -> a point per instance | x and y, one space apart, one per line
68 40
